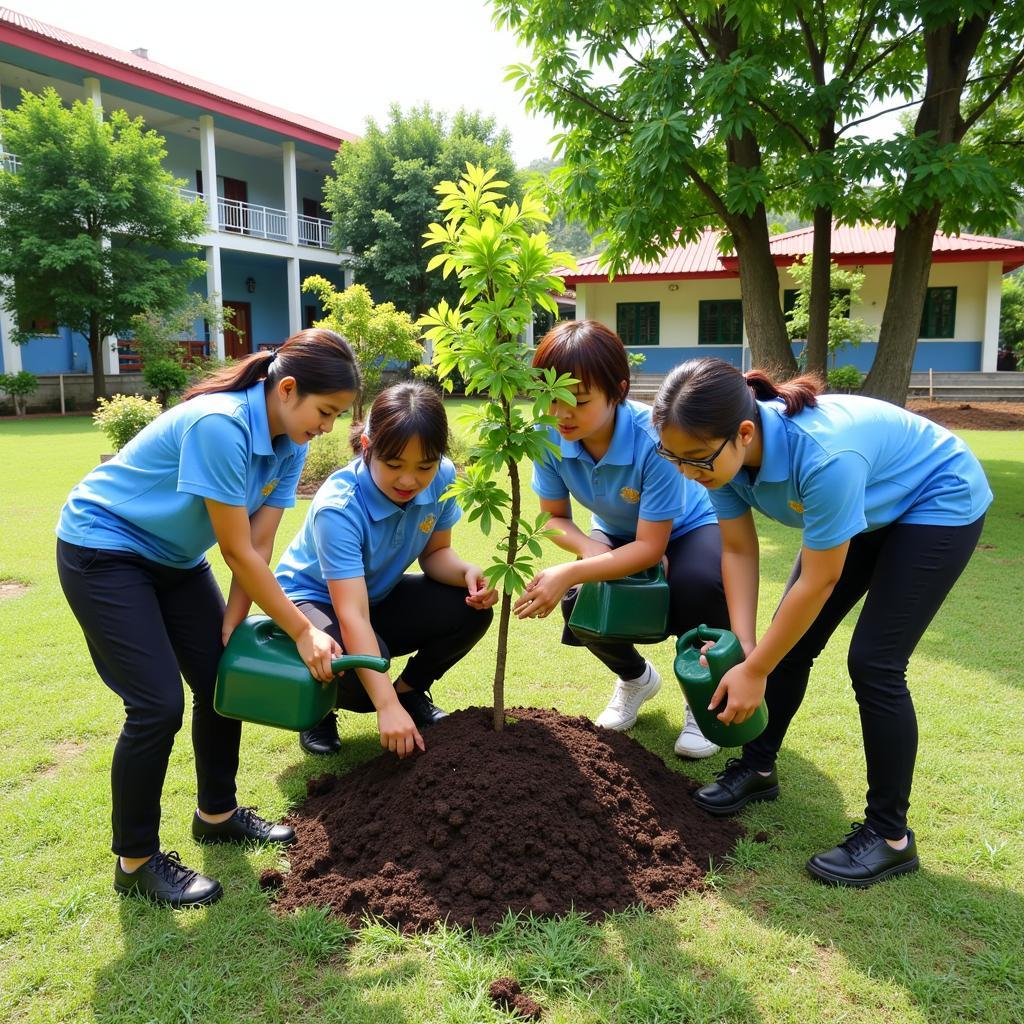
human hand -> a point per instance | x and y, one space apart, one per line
317 650
480 594
543 592
229 624
398 732
742 689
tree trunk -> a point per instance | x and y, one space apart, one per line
96 340
821 293
770 348
889 377
506 595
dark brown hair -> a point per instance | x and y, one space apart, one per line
320 360
398 414
592 353
710 398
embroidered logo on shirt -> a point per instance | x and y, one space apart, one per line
797 507
630 495
266 490
428 524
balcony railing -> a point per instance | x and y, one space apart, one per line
240 218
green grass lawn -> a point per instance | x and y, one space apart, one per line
763 943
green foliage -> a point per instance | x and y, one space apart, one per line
382 196
1011 315
166 377
123 416
426 373
378 334
19 386
91 221
323 456
845 378
504 268
156 333
635 360
843 329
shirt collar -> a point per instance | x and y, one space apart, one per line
259 425
378 504
620 450
774 443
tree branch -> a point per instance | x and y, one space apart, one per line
1014 69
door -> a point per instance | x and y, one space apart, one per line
238 337
236 213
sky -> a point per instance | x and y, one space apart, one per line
338 62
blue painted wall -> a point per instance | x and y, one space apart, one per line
270 299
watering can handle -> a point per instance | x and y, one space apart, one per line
347 661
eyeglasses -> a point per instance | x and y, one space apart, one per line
708 463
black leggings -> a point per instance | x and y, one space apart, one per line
147 625
419 615
696 596
906 570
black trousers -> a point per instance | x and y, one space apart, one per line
147 625
695 596
906 570
419 615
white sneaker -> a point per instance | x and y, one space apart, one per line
626 700
692 743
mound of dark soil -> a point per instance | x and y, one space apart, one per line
958 415
507 994
549 814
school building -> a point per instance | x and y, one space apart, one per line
688 304
259 169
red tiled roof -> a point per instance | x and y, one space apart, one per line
857 244
123 65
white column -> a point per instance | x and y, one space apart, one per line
94 95
208 164
291 192
12 352
581 302
294 296
108 350
993 302
215 293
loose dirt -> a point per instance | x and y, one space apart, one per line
972 415
549 814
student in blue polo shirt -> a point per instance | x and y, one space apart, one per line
220 467
891 507
346 569
643 512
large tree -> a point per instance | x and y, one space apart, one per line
382 196
676 117
92 230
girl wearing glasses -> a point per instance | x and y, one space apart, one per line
642 513
891 506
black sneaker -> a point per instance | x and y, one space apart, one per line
735 787
322 739
245 825
863 858
422 710
164 879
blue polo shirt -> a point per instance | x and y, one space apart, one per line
854 464
353 529
149 499
631 482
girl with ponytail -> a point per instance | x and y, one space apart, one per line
890 506
221 467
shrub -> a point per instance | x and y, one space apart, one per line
845 378
166 377
324 455
19 386
123 416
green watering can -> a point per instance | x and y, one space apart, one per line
262 679
633 609
699 683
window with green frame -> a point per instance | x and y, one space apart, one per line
939 317
638 323
720 322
